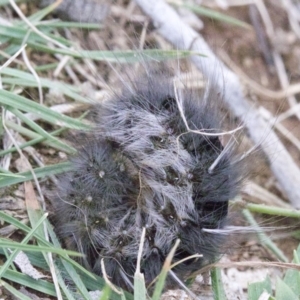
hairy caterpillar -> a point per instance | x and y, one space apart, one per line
103 151
138 156
154 160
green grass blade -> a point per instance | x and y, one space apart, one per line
13 291
273 210
19 225
257 288
283 291
29 133
140 291
17 34
22 130
39 172
34 211
11 49
5 2
41 13
128 56
64 287
13 221
30 143
25 280
21 247
11 258
139 280
51 139
210 13
164 272
106 293
61 87
6 172
69 268
62 24
19 102
292 277
160 284
217 284
10 175
263 238
47 67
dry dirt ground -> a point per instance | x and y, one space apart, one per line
266 57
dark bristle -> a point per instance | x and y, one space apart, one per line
140 167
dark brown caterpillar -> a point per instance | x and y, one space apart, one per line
153 160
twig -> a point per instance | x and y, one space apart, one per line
279 64
12 58
35 75
106 279
291 10
261 36
171 27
